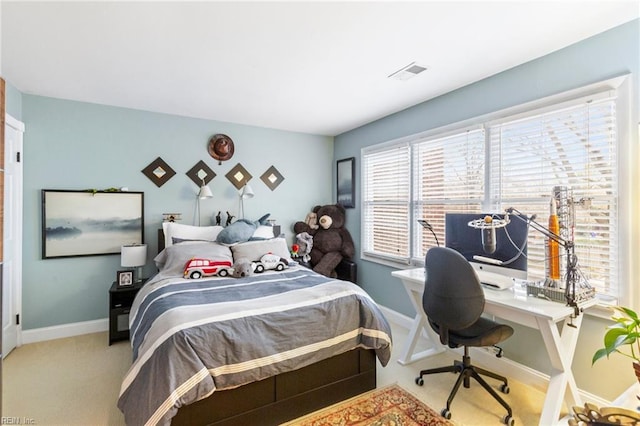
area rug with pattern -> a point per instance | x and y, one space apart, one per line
388 406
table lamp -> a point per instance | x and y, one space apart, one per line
135 256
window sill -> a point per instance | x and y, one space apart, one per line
398 264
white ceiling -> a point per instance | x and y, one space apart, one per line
312 67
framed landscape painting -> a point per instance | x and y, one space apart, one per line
88 223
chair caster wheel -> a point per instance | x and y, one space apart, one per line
445 413
508 420
505 389
419 381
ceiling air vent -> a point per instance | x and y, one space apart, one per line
407 72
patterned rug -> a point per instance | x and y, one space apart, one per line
389 406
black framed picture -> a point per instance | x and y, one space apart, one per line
124 278
346 175
89 223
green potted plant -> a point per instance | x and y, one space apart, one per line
624 334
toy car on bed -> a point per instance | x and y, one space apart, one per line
271 261
198 268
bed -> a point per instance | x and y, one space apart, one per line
243 351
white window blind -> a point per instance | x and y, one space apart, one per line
499 162
385 203
574 147
448 176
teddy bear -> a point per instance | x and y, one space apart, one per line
332 242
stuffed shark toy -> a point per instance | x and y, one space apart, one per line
240 231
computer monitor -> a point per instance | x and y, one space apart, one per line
509 257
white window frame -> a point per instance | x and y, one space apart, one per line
628 177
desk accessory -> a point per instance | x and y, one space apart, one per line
575 281
427 225
553 250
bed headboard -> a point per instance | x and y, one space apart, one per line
160 240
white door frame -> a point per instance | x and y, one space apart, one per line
13 206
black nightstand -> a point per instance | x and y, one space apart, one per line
120 301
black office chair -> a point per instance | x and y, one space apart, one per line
454 301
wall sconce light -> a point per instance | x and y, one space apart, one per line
203 193
134 256
246 192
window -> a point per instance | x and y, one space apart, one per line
491 164
448 176
386 202
572 147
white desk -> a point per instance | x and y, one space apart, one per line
515 306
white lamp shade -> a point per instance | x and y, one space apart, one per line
205 192
247 191
133 255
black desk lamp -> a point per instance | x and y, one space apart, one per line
428 226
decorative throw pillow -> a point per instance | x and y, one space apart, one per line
254 250
171 260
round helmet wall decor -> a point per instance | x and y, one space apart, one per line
220 147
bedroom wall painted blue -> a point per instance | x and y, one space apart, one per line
13 101
75 145
603 56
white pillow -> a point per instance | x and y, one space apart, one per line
187 232
263 232
254 250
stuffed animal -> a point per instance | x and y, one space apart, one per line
240 231
332 242
304 241
312 220
242 268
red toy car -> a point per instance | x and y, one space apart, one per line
198 268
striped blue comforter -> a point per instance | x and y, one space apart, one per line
193 337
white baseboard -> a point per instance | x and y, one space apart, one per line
503 365
65 330
508 368
396 317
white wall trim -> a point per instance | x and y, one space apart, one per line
14 122
504 366
65 330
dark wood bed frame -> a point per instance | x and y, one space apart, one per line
286 396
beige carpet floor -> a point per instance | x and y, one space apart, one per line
75 381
